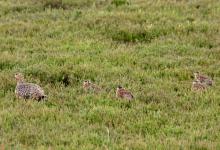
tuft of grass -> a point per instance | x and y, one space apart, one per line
118 3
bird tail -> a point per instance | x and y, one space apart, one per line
43 97
210 83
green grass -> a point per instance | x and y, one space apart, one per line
150 47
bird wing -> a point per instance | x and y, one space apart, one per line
127 94
206 80
203 78
36 89
23 90
198 87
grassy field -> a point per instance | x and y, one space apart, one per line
151 47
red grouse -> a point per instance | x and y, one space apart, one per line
124 94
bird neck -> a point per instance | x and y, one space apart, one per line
20 81
118 90
196 75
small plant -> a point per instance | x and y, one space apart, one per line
118 3
54 4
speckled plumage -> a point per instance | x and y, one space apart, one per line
198 86
28 90
88 86
124 94
203 79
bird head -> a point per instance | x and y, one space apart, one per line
86 83
119 87
196 74
19 77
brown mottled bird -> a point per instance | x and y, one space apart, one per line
89 86
203 79
28 90
198 86
124 94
